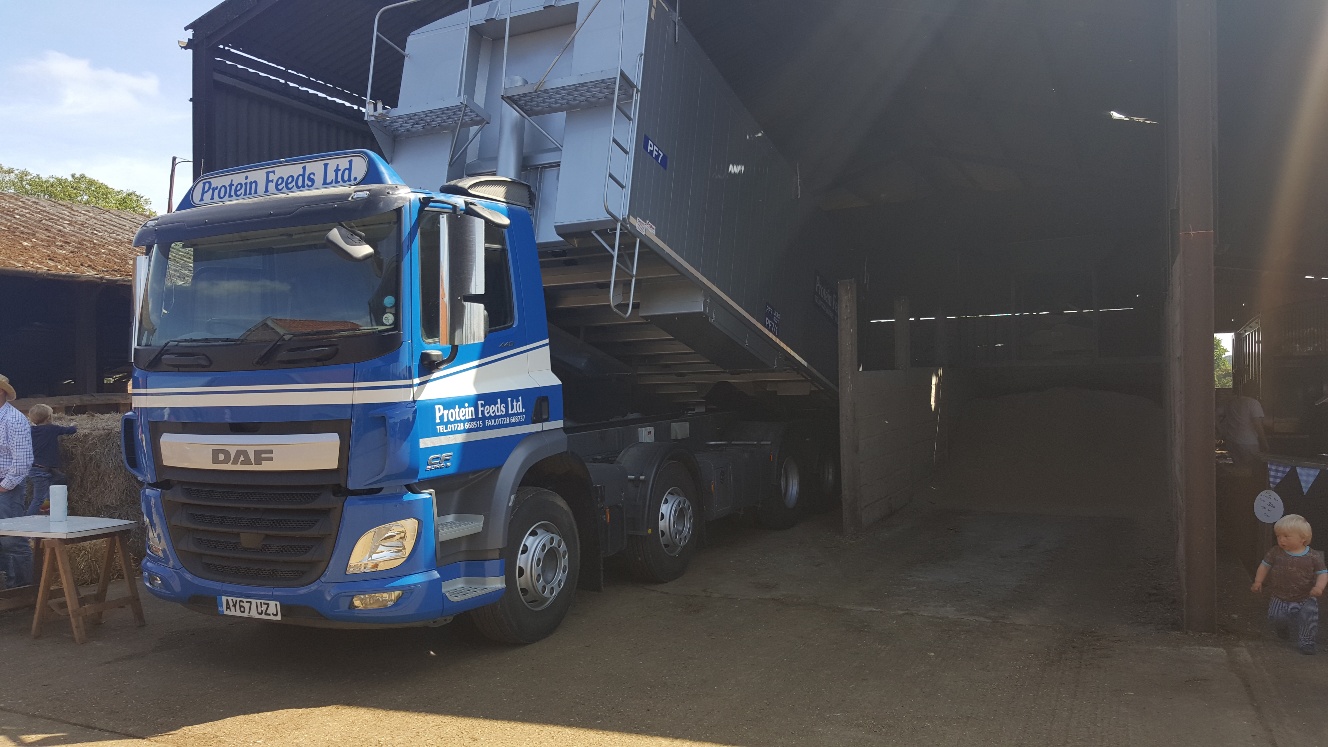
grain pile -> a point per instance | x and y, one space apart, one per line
99 485
1062 452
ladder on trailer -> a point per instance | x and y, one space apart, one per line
618 189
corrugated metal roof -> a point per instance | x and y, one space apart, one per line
38 235
328 39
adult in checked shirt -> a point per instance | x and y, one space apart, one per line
15 461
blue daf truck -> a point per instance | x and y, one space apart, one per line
384 388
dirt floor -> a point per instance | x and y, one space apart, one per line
961 620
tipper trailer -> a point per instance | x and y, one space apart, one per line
360 399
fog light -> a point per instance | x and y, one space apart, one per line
383 547
154 580
376 601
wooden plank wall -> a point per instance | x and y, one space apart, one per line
898 438
893 428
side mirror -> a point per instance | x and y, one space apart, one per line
463 320
140 290
431 360
351 245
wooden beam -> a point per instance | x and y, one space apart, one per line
1189 310
86 373
848 422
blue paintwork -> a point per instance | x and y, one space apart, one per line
384 436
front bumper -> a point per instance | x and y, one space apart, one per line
327 603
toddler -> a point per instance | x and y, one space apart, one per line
45 455
1296 579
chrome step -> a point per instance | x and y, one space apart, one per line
456 526
461 589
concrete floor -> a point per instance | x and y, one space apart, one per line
945 625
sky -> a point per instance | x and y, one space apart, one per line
100 88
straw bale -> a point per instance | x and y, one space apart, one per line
99 485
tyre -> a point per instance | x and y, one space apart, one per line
672 518
824 494
783 505
543 561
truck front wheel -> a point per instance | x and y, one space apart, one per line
542 557
672 516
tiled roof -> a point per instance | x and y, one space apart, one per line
64 238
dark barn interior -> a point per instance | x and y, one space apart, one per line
65 273
59 316
1035 194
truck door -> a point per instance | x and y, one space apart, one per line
472 410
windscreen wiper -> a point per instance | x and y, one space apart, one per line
180 340
288 336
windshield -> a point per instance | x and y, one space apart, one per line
266 286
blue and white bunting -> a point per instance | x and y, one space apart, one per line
1307 476
1276 472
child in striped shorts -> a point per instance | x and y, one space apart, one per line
1296 579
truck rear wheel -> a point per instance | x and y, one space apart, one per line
672 516
825 492
784 505
543 561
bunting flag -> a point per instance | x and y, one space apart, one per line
1307 476
1276 472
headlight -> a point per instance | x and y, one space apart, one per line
384 547
155 542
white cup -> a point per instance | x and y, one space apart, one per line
59 504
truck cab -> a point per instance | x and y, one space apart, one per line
307 359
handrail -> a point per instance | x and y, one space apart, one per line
373 48
572 38
461 84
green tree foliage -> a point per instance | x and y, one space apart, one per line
1221 366
79 188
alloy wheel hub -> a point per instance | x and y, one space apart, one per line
676 521
541 566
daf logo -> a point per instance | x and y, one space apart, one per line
249 457
438 461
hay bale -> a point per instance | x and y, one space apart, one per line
99 485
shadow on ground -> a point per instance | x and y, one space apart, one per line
962 620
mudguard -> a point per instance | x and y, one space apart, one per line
643 462
490 494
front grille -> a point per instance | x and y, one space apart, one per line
265 523
260 537
291 549
217 496
255 572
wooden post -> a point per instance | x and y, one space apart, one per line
903 345
848 418
1192 165
86 374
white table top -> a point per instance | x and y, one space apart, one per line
77 526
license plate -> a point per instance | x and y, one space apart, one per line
258 608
